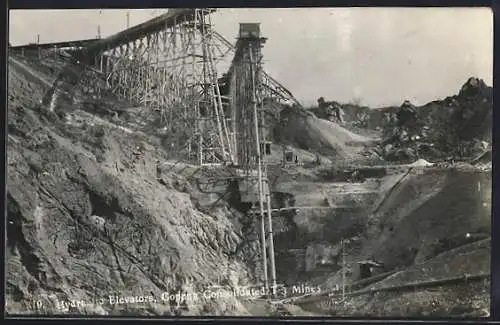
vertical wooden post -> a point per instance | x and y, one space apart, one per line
270 238
38 46
342 247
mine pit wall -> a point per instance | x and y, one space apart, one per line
304 238
300 237
409 215
421 212
429 212
308 244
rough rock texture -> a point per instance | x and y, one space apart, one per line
154 239
91 214
432 208
452 128
424 222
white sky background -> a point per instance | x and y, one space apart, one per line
380 55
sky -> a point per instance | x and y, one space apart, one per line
376 56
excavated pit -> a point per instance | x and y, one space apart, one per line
187 231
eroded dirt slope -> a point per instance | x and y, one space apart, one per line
319 135
430 212
425 223
88 218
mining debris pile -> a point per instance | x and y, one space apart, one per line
456 128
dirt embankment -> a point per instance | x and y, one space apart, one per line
420 221
430 212
322 136
88 219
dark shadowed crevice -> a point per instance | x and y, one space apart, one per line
16 239
234 197
14 291
14 224
104 207
288 241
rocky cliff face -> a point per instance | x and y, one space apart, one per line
89 219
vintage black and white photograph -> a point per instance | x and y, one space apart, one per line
331 162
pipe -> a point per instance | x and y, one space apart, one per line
271 240
77 43
403 287
156 24
342 244
259 169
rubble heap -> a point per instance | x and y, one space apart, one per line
456 128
